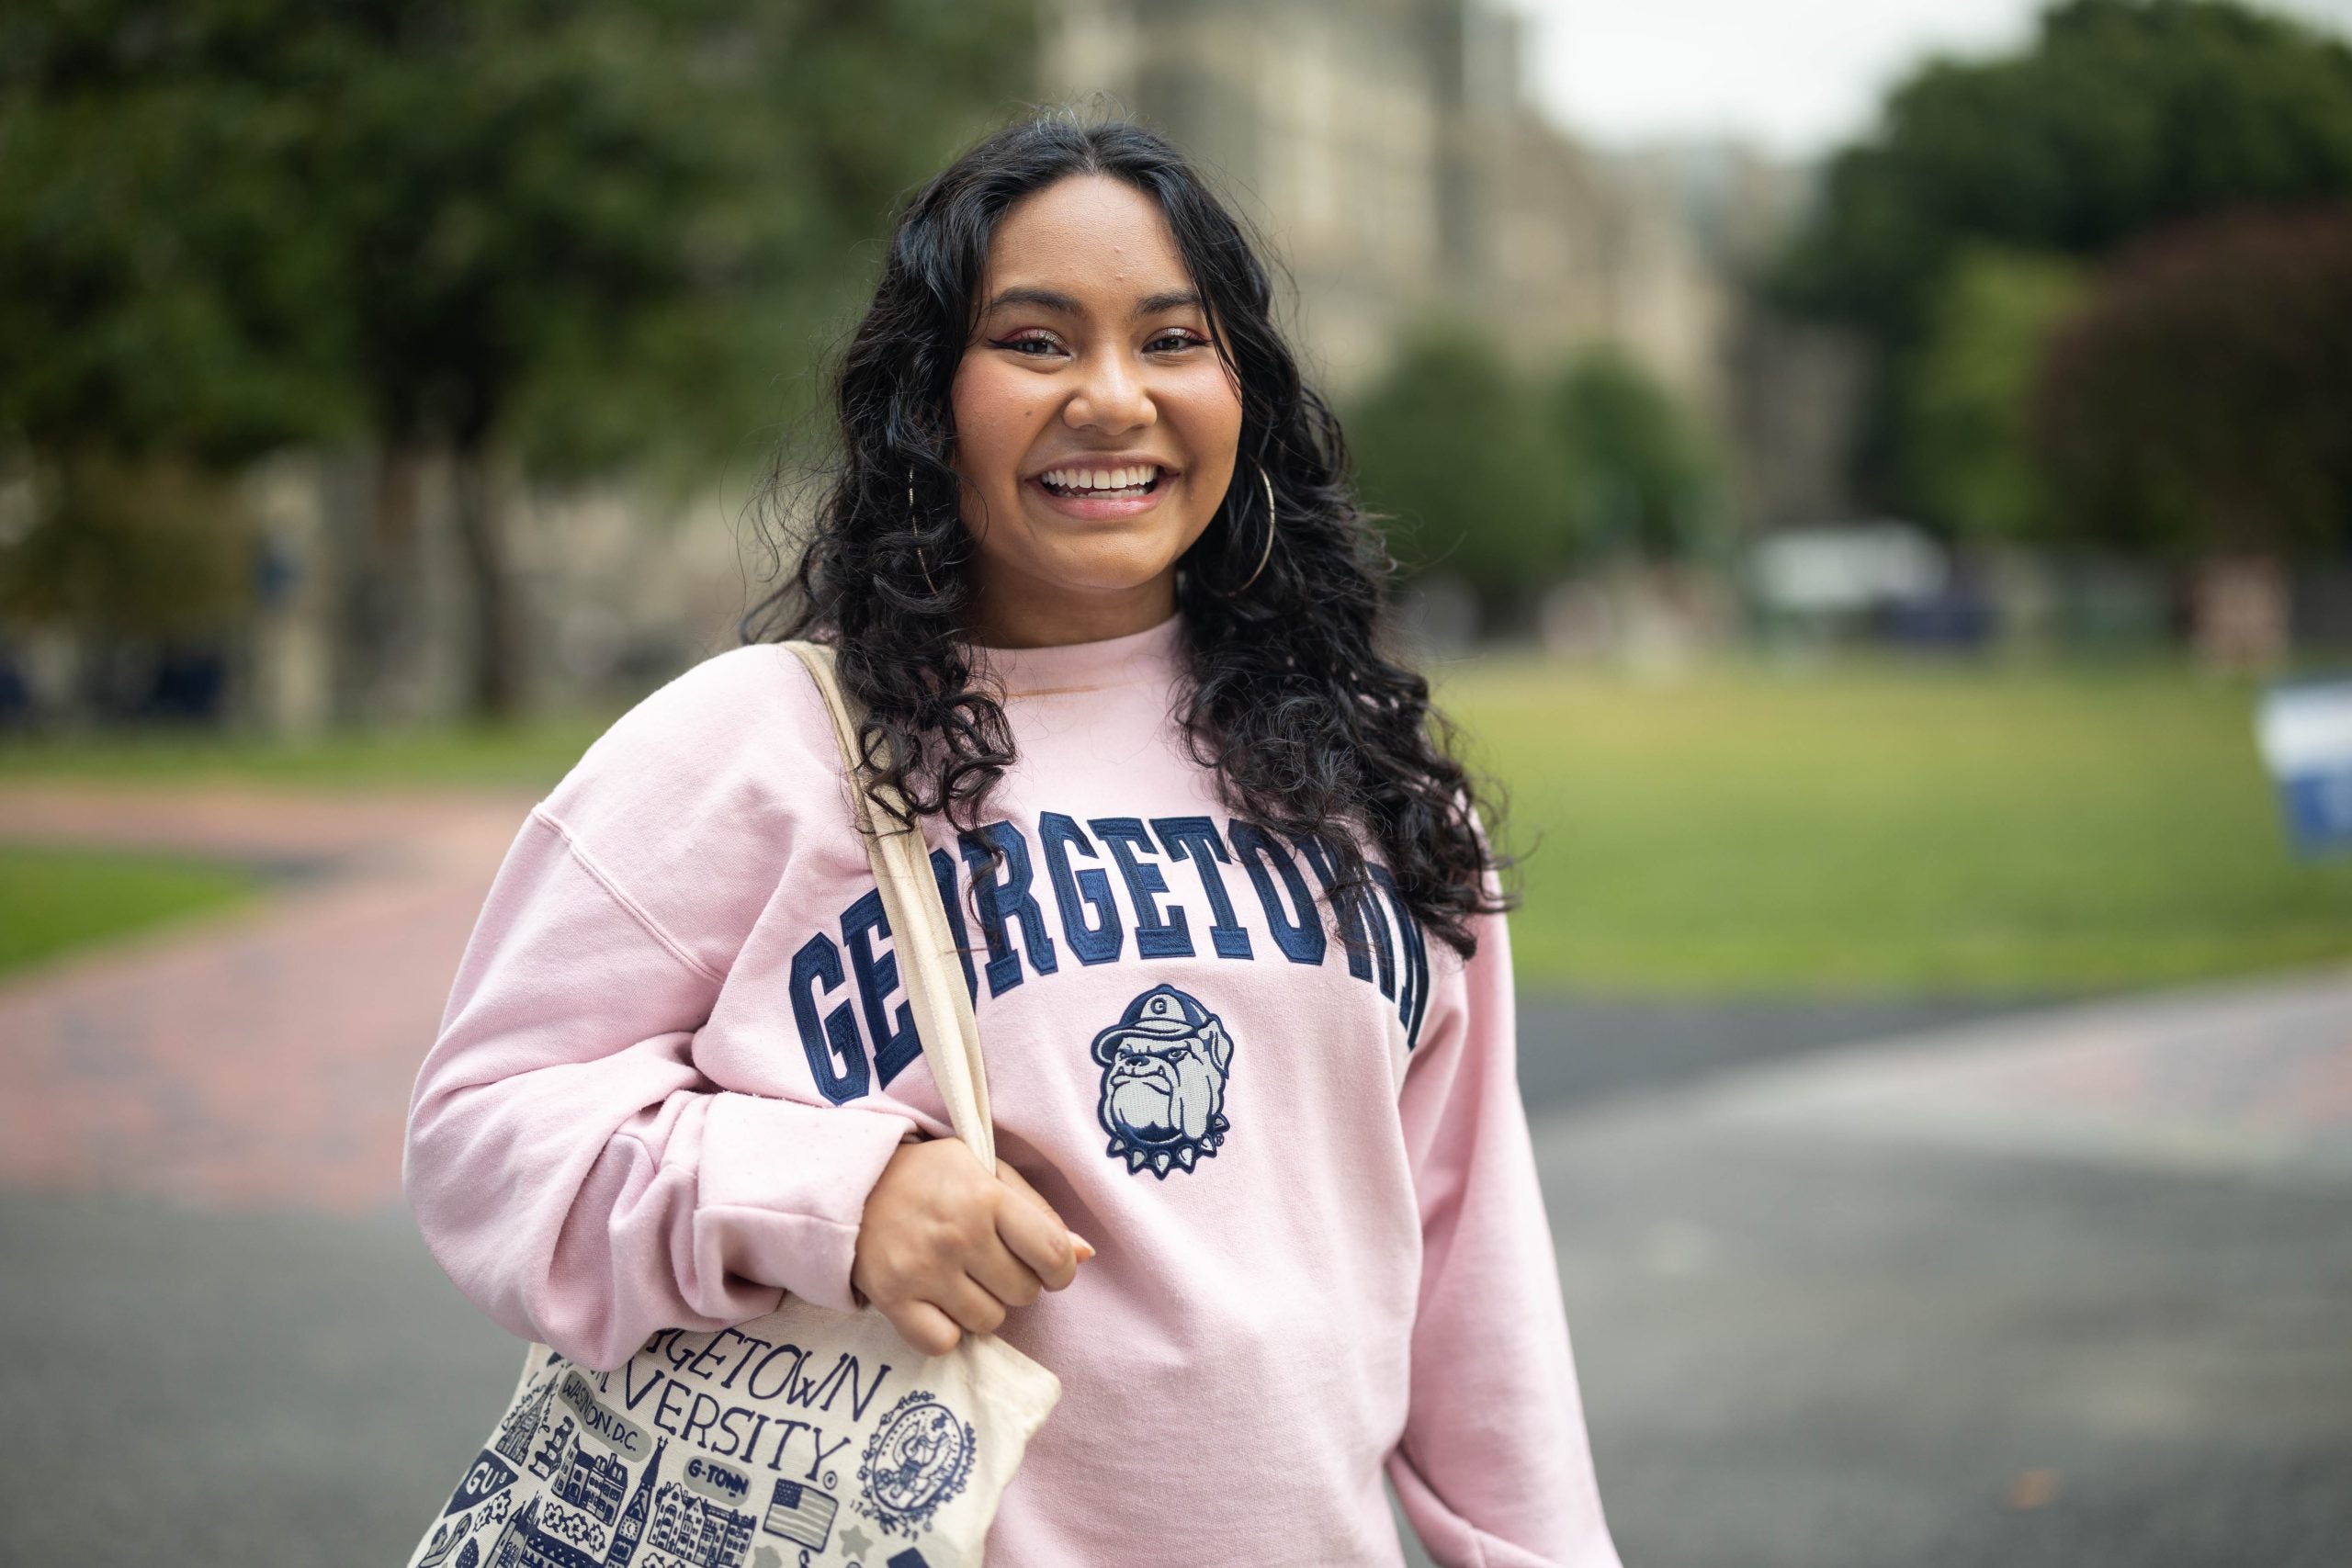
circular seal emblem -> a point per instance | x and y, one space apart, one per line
918 1457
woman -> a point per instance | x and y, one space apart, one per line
1232 933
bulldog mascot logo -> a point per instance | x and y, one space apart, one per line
1164 1067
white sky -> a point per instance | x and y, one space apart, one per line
1796 76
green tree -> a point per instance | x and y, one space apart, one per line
2197 405
1450 448
1971 387
2124 115
159 321
546 234
157 288
574 232
1641 480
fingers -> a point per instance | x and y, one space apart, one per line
971 1306
1020 1183
1006 1277
924 1328
1038 1238
935 1328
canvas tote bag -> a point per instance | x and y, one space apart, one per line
807 1436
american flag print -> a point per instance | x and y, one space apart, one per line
802 1514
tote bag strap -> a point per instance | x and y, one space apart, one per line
930 964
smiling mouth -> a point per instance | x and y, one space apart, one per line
1080 484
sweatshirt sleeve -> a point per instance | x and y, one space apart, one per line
1494 1468
580 1179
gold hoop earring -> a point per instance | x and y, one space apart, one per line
1268 553
916 516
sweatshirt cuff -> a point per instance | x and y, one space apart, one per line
782 1187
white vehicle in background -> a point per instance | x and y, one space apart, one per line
1881 579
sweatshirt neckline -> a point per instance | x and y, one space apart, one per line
1146 655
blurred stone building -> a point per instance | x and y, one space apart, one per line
1388 150
1788 393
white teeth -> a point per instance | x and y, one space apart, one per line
1129 477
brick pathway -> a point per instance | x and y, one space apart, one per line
265 1058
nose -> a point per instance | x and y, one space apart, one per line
1111 397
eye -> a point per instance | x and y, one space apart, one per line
1175 339
1030 344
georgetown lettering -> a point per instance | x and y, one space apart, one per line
1078 895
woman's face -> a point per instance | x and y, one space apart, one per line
1095 425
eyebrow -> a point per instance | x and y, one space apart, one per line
1062 304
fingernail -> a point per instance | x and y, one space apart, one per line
1085 1247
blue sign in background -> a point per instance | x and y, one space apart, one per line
2305 728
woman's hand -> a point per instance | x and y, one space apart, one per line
944 1248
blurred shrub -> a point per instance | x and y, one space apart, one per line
1452 448
1969 387
1509 481
2201 404
1642 478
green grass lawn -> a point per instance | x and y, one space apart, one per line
1847 828
51 901
1894 828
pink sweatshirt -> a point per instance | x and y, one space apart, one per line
673 1065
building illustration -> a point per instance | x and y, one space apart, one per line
551 1454
593 1483
702 1533
521 1425
631 1531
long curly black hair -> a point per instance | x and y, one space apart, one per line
1310 725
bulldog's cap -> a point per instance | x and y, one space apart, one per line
1161 1013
